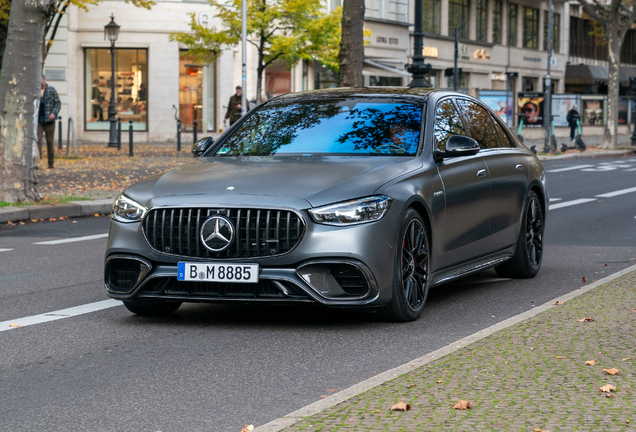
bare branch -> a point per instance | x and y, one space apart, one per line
628 24
591 11
271 60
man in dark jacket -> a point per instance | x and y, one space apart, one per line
50 106
234 106
572 117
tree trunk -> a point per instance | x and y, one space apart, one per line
611 128
351 56
19 100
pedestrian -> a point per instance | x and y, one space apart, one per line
50 106
234 107
572 117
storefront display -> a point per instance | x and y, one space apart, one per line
131 87
593 113
561 106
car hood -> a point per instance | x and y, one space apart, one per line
317 180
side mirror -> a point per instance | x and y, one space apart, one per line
458 145
200 147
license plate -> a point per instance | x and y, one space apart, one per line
217 272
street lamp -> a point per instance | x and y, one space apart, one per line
418 68
111 31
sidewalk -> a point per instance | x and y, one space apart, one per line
531 376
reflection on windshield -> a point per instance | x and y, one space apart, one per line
328 127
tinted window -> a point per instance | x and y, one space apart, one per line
503 137
479 124
447 123
350 126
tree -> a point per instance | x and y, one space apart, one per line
20 84
351 55
281 30
615 17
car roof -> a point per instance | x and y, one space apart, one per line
352 92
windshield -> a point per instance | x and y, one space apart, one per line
342 127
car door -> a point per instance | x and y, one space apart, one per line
466 190
508 173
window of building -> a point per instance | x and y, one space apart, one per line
333 4
385 81
131 87
482 20
556 31
497 6
432 16
462 84
530 28
324 77
190 93
458 17
529 84
512 24
394 10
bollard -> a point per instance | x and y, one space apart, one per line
118 133
130 138
194 135
178 135
59 141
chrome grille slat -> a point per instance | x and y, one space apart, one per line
258 232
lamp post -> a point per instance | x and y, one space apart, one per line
418 68
111 31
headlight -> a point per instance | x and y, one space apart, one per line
127 210
353 212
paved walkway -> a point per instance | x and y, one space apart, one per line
532 376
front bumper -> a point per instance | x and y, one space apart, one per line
312 272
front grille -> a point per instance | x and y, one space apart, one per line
263 289
258 232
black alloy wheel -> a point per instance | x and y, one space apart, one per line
529 250
410 287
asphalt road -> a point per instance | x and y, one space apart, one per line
216 368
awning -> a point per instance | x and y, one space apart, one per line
591 74
375 68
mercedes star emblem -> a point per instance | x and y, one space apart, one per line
217 233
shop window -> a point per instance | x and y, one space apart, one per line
593 113
458 11
277 80
385 81
190 93
556 32
512 24
530 28
324 77
131 87
497 6
432 16
482 20
462 84
529 84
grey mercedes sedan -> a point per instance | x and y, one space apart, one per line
361 198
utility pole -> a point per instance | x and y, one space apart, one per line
455 70
244 59
547 107
418 69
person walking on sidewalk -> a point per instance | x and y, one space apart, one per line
50 106
572 116
234 106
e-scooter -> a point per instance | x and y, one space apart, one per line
578 138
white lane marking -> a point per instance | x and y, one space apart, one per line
572 168
555 199
60 314
616 193
5 250
73 239
632 169
571 203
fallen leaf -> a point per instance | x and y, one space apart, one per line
561 358
15 325
440 381
322 397
583 279
332 390
52 220
590 363
607 388
412 385
627 358
531 349
585 320
511 377
401 406
559 303
374 411
612 371
506 362
462 405
247 428
605 265
96 214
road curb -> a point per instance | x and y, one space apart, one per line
47 211
321 405
606 153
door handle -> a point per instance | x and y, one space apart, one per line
519 167
481 173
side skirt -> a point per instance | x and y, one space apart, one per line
474 266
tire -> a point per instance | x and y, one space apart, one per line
526 261
151 307
580 144
411 270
